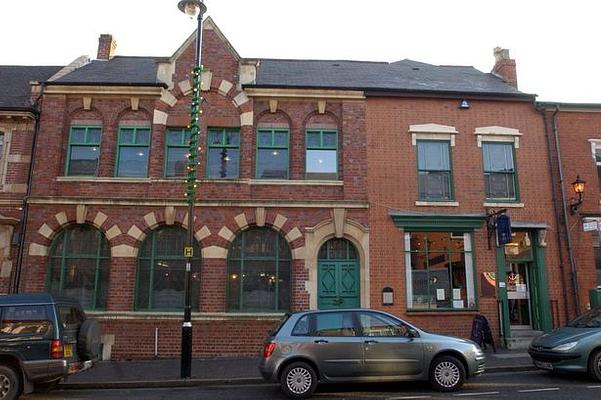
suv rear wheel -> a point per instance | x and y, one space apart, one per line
298 380
447 374
10 383
89 340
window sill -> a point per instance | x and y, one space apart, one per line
503 204
295 182
448 311
103 179
177 315
420 203
276 182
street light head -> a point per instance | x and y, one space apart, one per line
192 8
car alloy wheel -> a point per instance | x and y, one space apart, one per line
4 386
447 374
299 380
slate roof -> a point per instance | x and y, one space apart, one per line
119 70
400 76
373 77
15 91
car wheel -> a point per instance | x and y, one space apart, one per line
447 374
298 380
10 383
594 365
89 340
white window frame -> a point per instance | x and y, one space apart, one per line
469 274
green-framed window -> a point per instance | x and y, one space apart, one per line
176 152
223 155
78 266
259 272
160 277
434 170
272 153
84 151
321 154
500 178
132 153
439 271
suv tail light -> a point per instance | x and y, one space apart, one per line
56 349
268 349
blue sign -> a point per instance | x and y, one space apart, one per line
503 229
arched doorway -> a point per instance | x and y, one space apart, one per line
338 275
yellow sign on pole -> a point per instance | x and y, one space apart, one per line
188 251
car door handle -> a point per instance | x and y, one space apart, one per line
320 341
370 342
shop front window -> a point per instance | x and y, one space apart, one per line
439 271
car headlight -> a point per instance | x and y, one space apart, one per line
565 347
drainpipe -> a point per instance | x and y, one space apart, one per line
16 281
564 289
565 216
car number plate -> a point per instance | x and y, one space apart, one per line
68 350
543 365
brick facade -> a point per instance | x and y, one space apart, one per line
377 177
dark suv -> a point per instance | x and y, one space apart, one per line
43 339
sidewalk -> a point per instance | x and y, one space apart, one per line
216 371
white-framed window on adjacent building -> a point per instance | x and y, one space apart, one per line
596 153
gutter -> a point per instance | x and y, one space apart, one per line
374 92
565 215
16 281
564 289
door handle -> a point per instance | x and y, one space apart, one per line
320 341
370 342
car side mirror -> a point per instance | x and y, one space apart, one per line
413 333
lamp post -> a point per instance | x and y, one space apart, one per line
192 8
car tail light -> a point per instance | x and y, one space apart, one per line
268 349
56 349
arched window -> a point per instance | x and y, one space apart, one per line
78 266
259 272
161 271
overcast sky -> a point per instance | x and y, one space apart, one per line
555 43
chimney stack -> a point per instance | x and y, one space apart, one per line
505 67
106 47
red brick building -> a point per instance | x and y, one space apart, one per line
18 128
284 179
574 132
323 184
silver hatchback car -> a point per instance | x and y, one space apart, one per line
362 345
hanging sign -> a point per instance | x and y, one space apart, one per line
503 229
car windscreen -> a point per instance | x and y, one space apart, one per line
591 319
279 325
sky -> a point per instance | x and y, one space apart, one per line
555 43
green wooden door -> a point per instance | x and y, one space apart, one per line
338 275
338 284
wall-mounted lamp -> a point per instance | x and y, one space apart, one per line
464 104
578 186
387 296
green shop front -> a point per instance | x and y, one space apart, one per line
442 275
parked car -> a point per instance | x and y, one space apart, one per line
43 339
362 345
575 347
